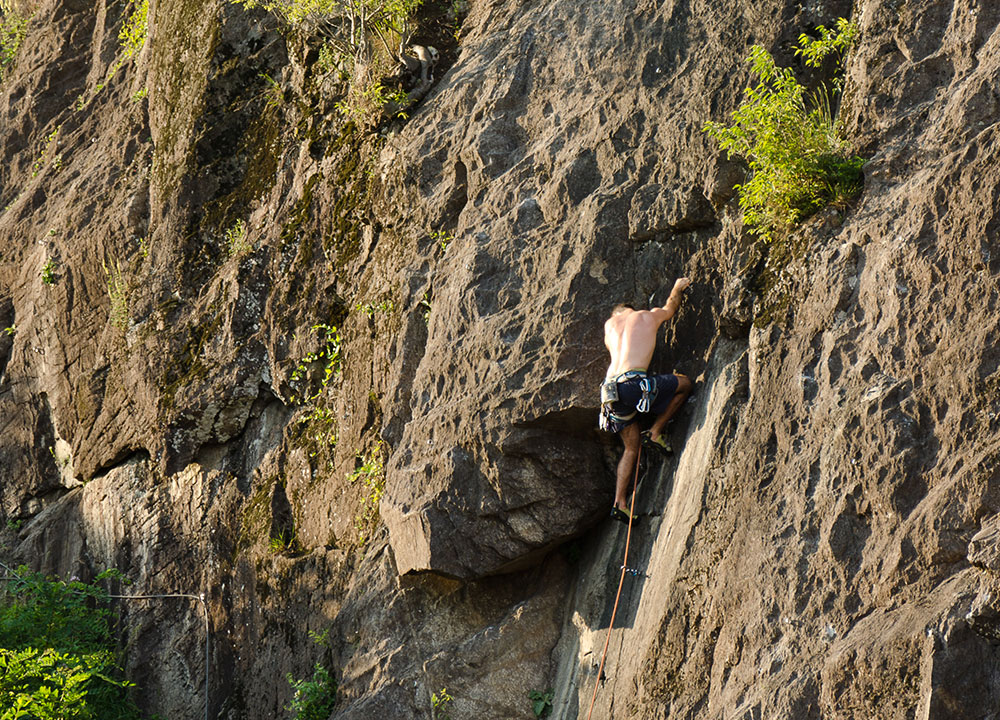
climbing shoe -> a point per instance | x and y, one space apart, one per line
661 445
622 516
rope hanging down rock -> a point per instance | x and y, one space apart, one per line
621 582
204 607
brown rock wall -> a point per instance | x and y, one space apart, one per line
828 575
822 546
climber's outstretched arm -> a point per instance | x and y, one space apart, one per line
669 309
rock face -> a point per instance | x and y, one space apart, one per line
427 495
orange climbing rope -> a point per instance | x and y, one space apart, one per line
621 582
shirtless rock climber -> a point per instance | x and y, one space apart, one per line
629 392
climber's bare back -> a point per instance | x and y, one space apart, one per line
630 336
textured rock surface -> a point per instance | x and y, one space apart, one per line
824 545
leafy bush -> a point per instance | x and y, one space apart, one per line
49 272
328 354
13 27
440 702
236 239
57 654
319 424
314 699
798 157
350 26
816 50
360 102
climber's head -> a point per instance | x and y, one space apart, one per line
620 308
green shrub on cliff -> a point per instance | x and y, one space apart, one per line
351 28
131 39
313 698
236 240
57 656
439 703
798 157
541 703
13 27
371 475
49 272
328 355
839 40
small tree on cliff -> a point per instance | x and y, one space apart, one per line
792 141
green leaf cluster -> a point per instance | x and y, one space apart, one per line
319 424
440 702
134 30
314 698
236 240
13 28
49 272
284 541
798 157
385 307
815 50
362 40
57 654
541 703
351 26
356 106
328 354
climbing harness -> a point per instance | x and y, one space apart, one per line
612 421
625 569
